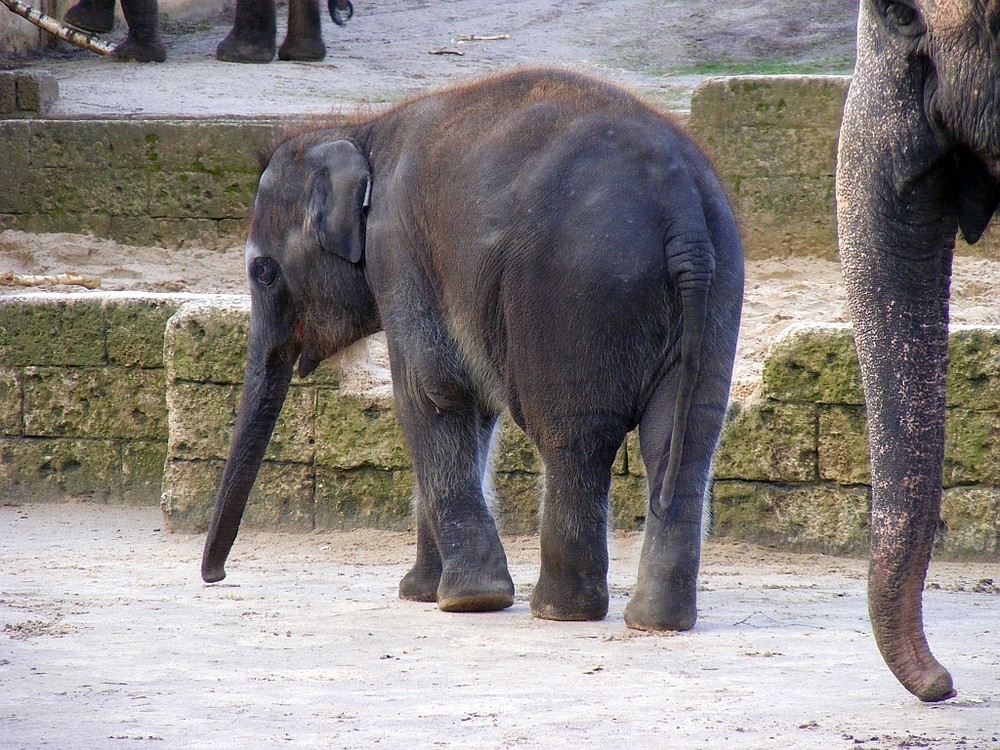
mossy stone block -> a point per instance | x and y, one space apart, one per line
814 364
10 402
972 447
974 368
206 342
971 517
72 146
818 517
768 441
629 502
189 489
67 331
100 402
282 498
517 501
200 194
135 328
294 436
843 445
41 470
364 498
142 472
514 452
202 416
358 431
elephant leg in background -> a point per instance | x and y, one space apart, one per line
143 41
304 40
573 580
252 38
95 16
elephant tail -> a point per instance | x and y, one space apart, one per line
692 274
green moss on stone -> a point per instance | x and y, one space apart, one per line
972 447
100 402
843 445
10 402
768 441
142 472
207 343
971 517
67 331
135 328
358 431
42 470
202 416
363 498
817 517
814 364
974 368
517 500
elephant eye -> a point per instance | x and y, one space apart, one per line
904 18
263 270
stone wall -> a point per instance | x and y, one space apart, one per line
82 412
792 468
154 182
89 410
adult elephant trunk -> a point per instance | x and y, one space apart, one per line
266 379
895 197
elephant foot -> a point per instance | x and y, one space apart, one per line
302 49
666 593
659 611
569 598
133 51
94 16
420 584
242 50
463 590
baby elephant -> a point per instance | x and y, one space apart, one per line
537 241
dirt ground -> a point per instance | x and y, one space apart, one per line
108 639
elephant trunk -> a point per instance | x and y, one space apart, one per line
896 252
264 389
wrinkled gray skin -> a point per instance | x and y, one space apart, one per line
537 241
919 160
254 33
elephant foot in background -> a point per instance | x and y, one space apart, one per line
254 33
94 16
665 596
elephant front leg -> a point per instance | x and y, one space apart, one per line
460 562
573 581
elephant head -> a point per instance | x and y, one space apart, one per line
919 160
308 300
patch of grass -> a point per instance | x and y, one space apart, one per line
764 67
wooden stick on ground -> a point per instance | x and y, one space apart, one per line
59 30
69 279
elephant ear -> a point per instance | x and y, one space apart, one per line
978 195
339 197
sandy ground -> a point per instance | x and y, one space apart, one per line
110 641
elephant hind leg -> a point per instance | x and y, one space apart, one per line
665 596
304 40
573 581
